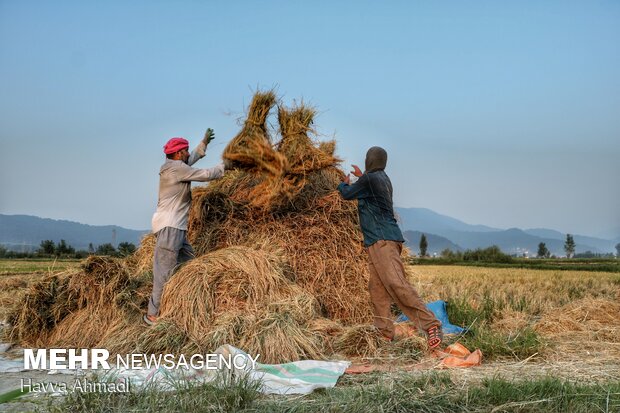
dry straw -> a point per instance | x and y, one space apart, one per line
142 260
322 245
601 317
235 278
303 155
43 306
252 150
360 341
299 213
280 268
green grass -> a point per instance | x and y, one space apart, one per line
429 392
35 265
223 396
562 264
461 313
12 395
521 344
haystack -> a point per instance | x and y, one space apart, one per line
303 156
303 216
253 151
141 261
80 309
44 305
280 268
322 244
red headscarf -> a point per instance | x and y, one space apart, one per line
175 145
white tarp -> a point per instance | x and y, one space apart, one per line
300 377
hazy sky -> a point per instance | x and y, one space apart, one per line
498 113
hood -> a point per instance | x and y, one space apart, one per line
376 159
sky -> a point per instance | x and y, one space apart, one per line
505 114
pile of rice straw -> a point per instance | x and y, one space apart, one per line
280 268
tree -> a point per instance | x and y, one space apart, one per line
618 249
47 247
126 248
79 254
423 245
543 252
490 254
64 249
588 254
569 246
106 249
446 253
91 249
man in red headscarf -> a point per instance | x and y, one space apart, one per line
170 220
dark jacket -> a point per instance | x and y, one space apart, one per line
373 191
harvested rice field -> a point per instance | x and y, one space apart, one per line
565 323
17 274
564 318
280 271
539 331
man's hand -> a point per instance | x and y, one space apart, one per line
356 171
347 179
209 136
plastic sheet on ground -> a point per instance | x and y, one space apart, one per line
453 356
11 366
457 355
439 309
299 377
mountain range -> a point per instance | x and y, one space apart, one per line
511 241
436 243
25 233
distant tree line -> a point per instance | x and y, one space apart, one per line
50 249
494 253
590 254
490 254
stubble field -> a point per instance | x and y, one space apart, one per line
550 340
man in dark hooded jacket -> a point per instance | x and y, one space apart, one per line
383 239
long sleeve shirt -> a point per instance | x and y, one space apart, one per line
175 196
373 191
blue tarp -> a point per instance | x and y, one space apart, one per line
439 309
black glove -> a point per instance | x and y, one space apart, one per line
209 136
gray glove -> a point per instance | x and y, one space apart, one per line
209 136
228 165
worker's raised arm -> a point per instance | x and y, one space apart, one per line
185 173
356 190
197 154
200 150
